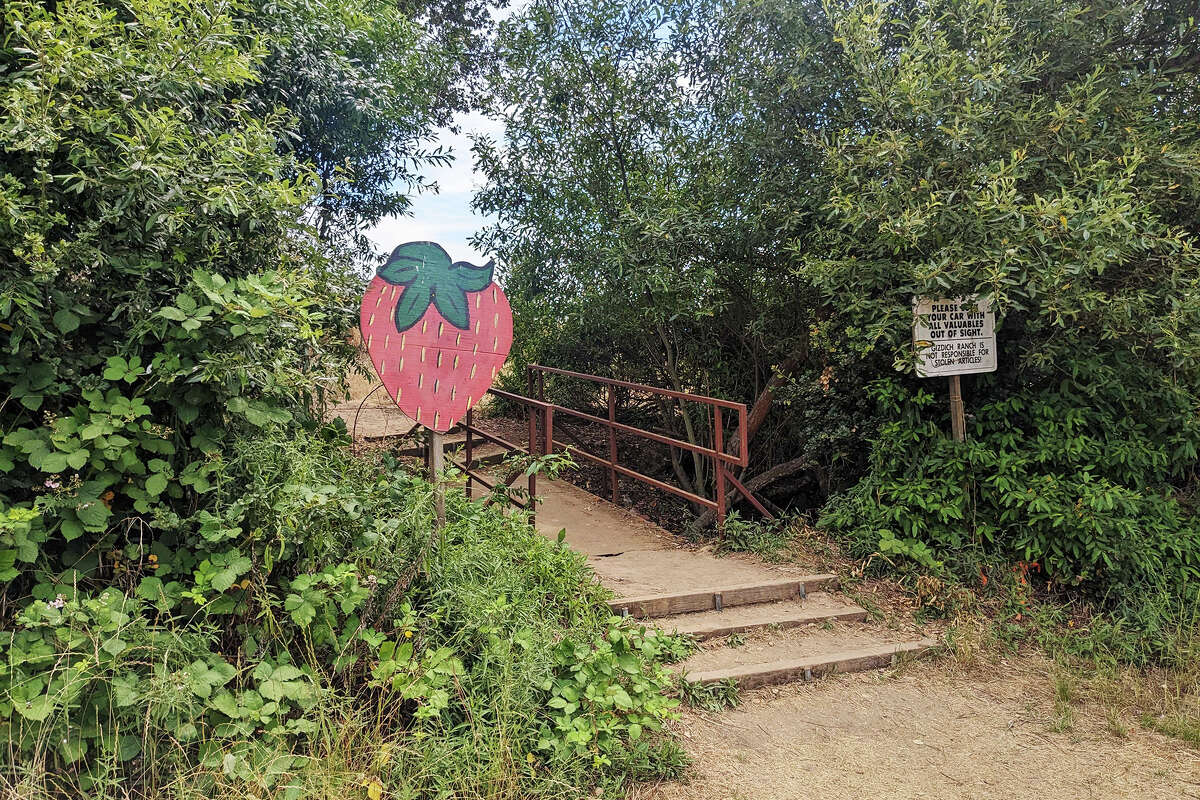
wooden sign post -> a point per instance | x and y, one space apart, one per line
438 333
954 337
437 465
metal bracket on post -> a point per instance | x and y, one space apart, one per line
808 675
803 591
718 601
624 612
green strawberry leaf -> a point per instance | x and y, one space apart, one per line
409 261
471 278
412 305
452 303
425 272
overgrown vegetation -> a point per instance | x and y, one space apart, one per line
743 199
205 594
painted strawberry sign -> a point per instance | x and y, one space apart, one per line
437 332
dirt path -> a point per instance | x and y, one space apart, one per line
922 731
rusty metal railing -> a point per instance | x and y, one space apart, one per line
541 415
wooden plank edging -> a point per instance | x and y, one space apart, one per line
665 605
753 676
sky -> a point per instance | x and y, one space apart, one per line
445 217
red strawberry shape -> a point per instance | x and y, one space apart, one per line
437 332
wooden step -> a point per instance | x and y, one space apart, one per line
712 598
800 667
818 607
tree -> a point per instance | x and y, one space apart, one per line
364 86
757 190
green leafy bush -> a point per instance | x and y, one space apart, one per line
247 674
206 593
1084 495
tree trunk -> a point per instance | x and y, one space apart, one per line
759 481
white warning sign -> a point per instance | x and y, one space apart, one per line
954 336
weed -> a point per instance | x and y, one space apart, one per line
735 640
714 697
1177 725
485 664
867 602
770 540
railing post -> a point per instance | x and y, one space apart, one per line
533 453
744 438
467 419
612 443
719 465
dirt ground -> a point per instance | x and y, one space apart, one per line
924 730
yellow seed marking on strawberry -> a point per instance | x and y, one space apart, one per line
496 320
476 327
453 391
441 327
424 325
439 358
435 385
420 379
493 295
371 321
475 349
495 343
418 413
387 341
469 400
378 300
400 365
473 370
382 368
369 338
436 415
458 340
404 340
395 289
456 362
493 372
478 297
422 355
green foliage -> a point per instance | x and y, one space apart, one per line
805 171
768 539
605 695
714 697
363 86
238 669
206 593
1078 494
134 352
